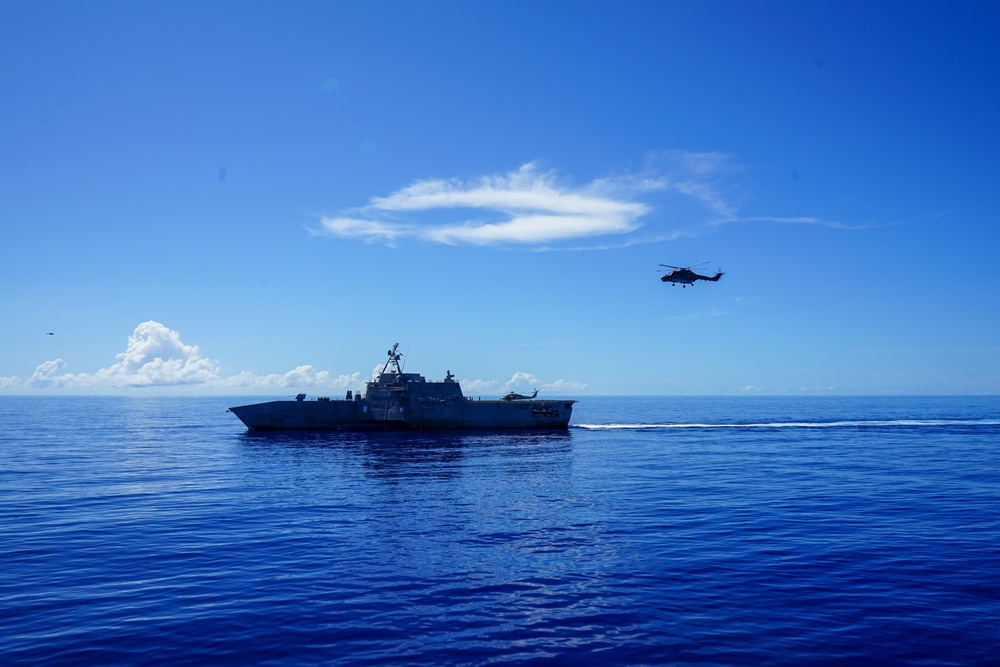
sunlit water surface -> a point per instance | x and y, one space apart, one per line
716 531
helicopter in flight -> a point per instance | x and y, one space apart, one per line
685 276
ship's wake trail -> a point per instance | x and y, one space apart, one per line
854 423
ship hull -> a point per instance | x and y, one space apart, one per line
412 414
398 400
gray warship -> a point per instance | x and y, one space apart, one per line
396 400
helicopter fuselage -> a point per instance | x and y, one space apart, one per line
687 277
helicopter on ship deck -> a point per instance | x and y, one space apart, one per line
513 396
685 275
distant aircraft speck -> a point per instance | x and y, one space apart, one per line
49 333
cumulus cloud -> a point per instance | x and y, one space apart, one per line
46 374
520 382
472 387
565 386
300 377
156 357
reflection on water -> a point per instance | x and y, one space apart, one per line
403 453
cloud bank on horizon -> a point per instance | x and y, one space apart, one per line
156 357
532 207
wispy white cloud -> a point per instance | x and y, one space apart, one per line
365 230
693 317
696 176
528 207
704 177
155 357
823 222
677 193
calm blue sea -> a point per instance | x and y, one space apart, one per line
714 531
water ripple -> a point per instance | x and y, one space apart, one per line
857 533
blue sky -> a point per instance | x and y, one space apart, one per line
254 198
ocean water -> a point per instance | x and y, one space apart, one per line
713 531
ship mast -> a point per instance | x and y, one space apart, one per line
394 358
